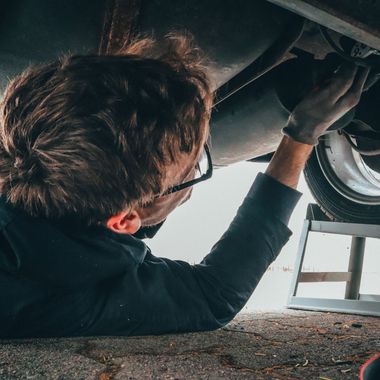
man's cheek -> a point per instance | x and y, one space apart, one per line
187 197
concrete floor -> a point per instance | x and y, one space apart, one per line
276 345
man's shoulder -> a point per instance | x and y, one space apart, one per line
64 254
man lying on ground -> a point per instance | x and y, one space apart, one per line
95 148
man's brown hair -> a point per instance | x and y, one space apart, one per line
89 136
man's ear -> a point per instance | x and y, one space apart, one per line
126 222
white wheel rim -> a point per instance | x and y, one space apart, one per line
346 171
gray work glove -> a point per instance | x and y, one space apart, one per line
326 104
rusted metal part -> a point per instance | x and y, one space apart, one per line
120 25
356 19
313 42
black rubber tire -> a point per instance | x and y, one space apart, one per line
332 203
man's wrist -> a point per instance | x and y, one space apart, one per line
289 161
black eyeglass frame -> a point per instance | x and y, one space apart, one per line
192 182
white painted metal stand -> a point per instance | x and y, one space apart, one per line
354 302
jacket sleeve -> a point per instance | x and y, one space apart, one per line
163 296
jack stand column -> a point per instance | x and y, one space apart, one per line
355 266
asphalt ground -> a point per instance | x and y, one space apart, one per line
281 345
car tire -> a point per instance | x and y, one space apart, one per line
336 206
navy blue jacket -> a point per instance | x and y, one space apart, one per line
61 280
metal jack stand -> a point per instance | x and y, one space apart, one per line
354 302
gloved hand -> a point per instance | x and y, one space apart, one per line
326 104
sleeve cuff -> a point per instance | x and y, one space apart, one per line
274 196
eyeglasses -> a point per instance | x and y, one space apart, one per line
203 171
